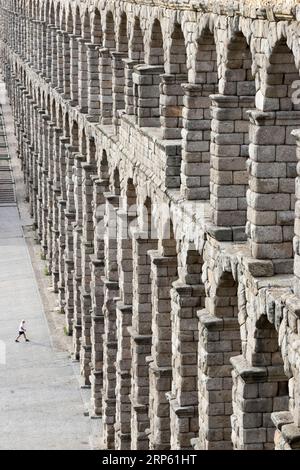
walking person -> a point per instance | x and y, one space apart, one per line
22 332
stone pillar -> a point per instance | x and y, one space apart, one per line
215 385
296 240
270 198
54 56
77 236
62 202
97 297
111 291
45 164
69 258
50 190
48 56
123 322
141 337
256 393
87 249
229 151
146 79
129 65
171 105
43 57
55 209
93 83
185 299
118 83
163 273
83 84
74 68
60 61
66 57
195 167
106 100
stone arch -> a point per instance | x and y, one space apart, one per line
92 151
219 342
60 118
53 112
83 143
230 139
67 125
104 167
75 136
273 160
259 390
203 82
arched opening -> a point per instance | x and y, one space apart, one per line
83 144
273 161
116 189
92 152
67 126
75 137
104 168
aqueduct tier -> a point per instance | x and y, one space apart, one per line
181 121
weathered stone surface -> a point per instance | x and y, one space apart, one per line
160 161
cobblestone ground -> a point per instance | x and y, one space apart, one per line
41 405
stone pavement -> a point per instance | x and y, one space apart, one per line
41 405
